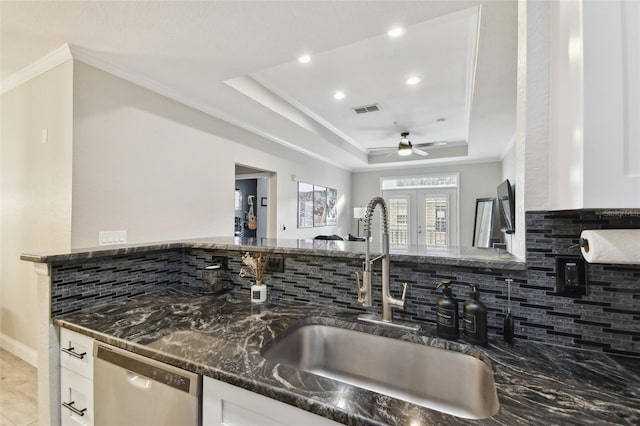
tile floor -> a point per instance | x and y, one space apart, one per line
18 392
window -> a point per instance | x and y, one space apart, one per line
238 200
447 180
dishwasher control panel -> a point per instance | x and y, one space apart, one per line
151 369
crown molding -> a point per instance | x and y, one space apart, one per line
51 60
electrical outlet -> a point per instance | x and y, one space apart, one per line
571 276
106 238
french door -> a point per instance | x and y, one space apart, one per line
426 218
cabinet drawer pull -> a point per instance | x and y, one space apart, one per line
72 353
70 406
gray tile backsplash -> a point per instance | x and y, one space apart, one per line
606 319
81 284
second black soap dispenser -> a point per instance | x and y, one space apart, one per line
447 313
475 319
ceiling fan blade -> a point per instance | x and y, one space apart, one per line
394 152
419 151
427 144
383 148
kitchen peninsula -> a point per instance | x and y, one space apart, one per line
155 300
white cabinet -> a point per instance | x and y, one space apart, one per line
594 101
227 405
76 378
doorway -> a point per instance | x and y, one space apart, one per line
426 218
254 202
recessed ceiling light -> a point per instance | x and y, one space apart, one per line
304 59
339 95
411 81
395 32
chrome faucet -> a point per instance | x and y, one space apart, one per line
365 290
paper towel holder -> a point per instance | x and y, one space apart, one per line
571 276
584 243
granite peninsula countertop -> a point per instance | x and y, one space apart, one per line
453 256
222 337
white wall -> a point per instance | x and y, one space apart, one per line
36 195
509 170
532 116
162 171
476 181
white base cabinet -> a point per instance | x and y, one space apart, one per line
76 379
227 405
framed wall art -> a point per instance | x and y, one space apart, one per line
305 205
319 205
332 206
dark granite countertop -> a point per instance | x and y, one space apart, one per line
222 337
454 256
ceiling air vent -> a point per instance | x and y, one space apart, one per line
366 108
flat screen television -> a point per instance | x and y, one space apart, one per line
507 207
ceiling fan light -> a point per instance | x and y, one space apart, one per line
404 151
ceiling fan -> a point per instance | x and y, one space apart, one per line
405 147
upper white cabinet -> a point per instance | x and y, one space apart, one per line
594 104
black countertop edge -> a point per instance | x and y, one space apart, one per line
465 257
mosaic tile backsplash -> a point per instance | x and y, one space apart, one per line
82 284
606 319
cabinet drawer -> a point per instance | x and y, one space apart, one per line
76 352
76 395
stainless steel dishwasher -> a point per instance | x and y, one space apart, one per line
130 389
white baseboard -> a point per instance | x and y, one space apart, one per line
18 349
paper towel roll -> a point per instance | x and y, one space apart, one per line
612 246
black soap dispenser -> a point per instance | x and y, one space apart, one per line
475 319
447 313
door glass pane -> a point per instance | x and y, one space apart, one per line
436 221
398 221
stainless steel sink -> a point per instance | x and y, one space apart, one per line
443 380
